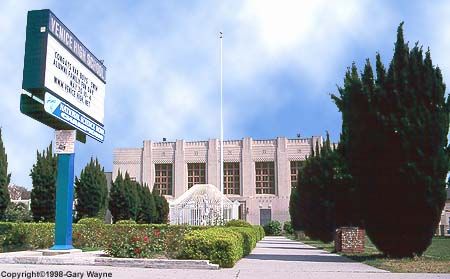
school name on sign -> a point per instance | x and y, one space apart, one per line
66 37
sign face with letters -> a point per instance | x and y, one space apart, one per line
69 79
59 68
64 141
73 117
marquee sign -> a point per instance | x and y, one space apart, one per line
57 65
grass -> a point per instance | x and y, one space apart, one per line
436 258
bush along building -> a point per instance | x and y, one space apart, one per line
258 173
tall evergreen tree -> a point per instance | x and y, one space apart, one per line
147 209
162 208
117 199
124 201
5 178
317 193
43 176
396 148
294 209
91 191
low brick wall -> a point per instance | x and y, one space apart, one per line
349 240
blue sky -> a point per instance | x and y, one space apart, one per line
282 59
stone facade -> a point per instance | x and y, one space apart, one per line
281 154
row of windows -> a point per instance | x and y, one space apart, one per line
265 177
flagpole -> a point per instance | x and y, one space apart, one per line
221 123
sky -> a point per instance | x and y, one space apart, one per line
281 61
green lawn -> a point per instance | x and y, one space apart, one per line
436 258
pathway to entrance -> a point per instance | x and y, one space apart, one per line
274 257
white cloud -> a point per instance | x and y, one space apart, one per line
163 66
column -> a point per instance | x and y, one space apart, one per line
248 185
213 166
283 188
180 180
147 165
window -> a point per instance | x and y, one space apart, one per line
231 178
163 179
196 174
295 171
265 178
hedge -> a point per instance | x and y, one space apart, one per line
222 246
250 237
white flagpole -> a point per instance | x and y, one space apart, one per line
221 123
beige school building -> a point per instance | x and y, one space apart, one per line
257 173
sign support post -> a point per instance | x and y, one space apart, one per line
64 202
64 143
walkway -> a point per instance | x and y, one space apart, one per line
274 257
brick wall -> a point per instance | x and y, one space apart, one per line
349 240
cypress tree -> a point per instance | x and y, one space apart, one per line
317 191
132 196
91 191
162 208
4 179
294 209
147 209
396 148
43 176
118 200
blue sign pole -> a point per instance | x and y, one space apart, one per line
64 201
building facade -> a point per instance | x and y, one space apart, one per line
257 173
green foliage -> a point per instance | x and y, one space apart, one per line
260 230
43 176
91 191
90 221
145 241
26 236
126 222
250 237
317 188
294 209
162 209
238 223
5 178
123 198
394 133
18 213
130 200
147 210
221 246
273 228
287 227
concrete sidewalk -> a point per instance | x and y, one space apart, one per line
274 257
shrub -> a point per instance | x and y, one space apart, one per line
250 237
142 241
221 246
287 227
126 222
27 236
95 222
18 213
237 223
262 232
135 242
273 228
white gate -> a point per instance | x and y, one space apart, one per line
201 205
